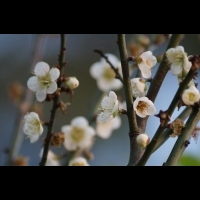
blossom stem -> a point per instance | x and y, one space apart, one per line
55 103
181 142
118 76
133 127
170 110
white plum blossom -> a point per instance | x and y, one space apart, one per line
138 87
78 161
143 140
44 81
32 126
109 107
145 62
179 60
191 95
78 135
143 107
105 75
104 130
72 82
52 158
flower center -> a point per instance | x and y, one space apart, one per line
191 96
142 106
77 134
109 74
78 164
34 126
44 81
148 63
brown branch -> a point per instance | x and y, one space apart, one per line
55 103
133 127
118 76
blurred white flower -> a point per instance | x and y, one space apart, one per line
109 107
78 161
78 135
138 87
104 130
145 62
143 140
105 75
32 126
44 81
72 82
179 60
143 107
52 158
190 96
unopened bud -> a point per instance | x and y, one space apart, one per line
143 140
72 82
57 139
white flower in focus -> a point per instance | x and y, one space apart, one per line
78 161
104 130
190 96
32 126
109 107
52 158
78 135
143 140
178 59
44 81
138 87
72 82
105 75
143 107
145 62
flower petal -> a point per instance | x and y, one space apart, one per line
96 69
112 96
80 122
151 110
34 115
52 87
34 138
54 73
41 95
41 69
176 69
33 83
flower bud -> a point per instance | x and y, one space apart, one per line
143 140
72 82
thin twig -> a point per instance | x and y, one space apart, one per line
55 103
118 76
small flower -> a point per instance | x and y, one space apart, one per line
52 158
78 161
145 62
143 107
32 126
190 96
72 82
178 59
78 135
177 125
138 87
143 140
44 81
104 130
105 75
109 107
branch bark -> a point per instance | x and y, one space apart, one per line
55 103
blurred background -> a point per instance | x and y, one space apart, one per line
18 55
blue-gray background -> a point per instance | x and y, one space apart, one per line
16 52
